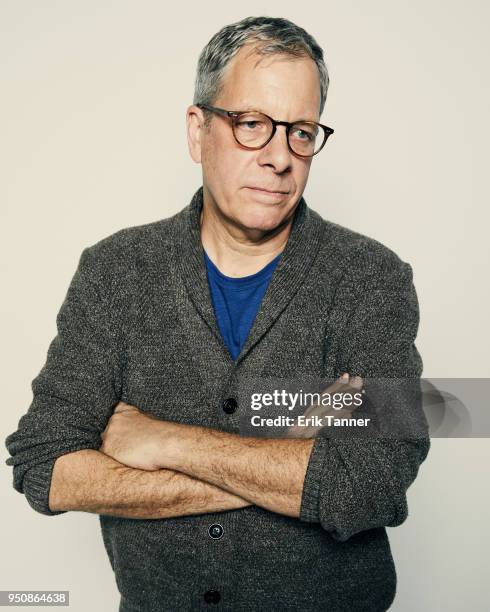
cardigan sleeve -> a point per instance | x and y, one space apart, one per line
75 391
361 483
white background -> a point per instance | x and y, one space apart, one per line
92 111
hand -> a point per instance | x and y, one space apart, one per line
134 438
344 384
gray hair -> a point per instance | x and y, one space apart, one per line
274 35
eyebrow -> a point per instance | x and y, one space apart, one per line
255 108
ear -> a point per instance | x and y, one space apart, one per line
195 129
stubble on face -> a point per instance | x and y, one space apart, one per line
261 83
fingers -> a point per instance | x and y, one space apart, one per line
342 384
356 382
345 380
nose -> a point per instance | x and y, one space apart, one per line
276 152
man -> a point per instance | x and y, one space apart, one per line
135 415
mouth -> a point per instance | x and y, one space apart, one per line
271 191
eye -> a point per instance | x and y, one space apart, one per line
250 125
302 135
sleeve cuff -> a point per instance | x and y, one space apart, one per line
37 483
309 511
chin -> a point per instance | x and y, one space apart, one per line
261 217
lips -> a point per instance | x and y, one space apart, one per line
268 190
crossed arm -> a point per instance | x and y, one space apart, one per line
91 481
119 490
150 468
199 469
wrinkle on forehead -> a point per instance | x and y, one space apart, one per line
255 48
241 69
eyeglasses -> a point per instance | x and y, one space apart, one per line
253 130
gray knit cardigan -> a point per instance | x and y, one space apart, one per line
138 325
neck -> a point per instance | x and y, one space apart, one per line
238 251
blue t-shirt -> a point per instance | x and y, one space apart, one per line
236 301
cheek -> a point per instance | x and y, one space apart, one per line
217 159
225 168
301 170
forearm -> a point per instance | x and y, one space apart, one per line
90 481
269 473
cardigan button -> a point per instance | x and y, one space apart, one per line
216 531
230 405
212 597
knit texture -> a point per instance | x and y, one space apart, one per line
137 325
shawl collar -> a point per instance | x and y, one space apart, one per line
302 246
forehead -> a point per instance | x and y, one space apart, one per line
283 86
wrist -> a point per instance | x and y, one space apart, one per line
172 444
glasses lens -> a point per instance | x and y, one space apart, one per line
252 129
306 138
